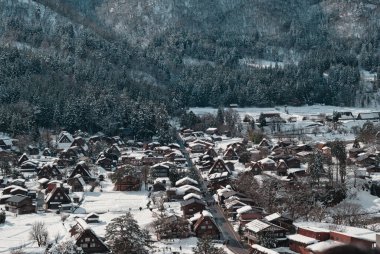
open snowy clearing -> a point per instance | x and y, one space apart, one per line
117 201
15 232
292 111
310 130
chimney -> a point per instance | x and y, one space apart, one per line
377 240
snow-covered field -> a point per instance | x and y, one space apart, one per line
298 112
116 201
15 232
310 129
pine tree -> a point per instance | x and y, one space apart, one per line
220 116
2 216
124 235
338 149
65 247
356 144
262 120
205 246
267 240
316 166
171 226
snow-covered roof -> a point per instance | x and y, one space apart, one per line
181 190
267 161
369 115
360 233
19 180
217 175
162 180
65 134
11 187
262 249
162 148
222 190
185 179
323 246
315 229
160 165
302 239
294 170
244 209
91 214
83 224
233 203
56 182
284 250
191 145
204 213
192 195
19 188
7 141
257 225
272 216
80 179
5 196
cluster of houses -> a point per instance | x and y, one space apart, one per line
54 179
193 208
284 161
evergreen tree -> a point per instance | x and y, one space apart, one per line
262 121
65 247
2 216
205 246
316 166
356 144
338 149
267 240
220 116
124 235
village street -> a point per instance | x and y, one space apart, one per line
228 234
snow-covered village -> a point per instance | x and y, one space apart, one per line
235 180
190 126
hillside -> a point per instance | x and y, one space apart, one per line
184 53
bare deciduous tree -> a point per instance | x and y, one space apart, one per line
39 233
347 213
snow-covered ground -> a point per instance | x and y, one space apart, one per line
298 112
15 232
310 130
368 202
115 201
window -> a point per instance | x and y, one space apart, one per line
87 239
206 222
92 245
203 227
190 209
210 227
84 245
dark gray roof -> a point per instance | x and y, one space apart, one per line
17 198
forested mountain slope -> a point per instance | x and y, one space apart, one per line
95 64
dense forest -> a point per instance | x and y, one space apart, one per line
64 66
